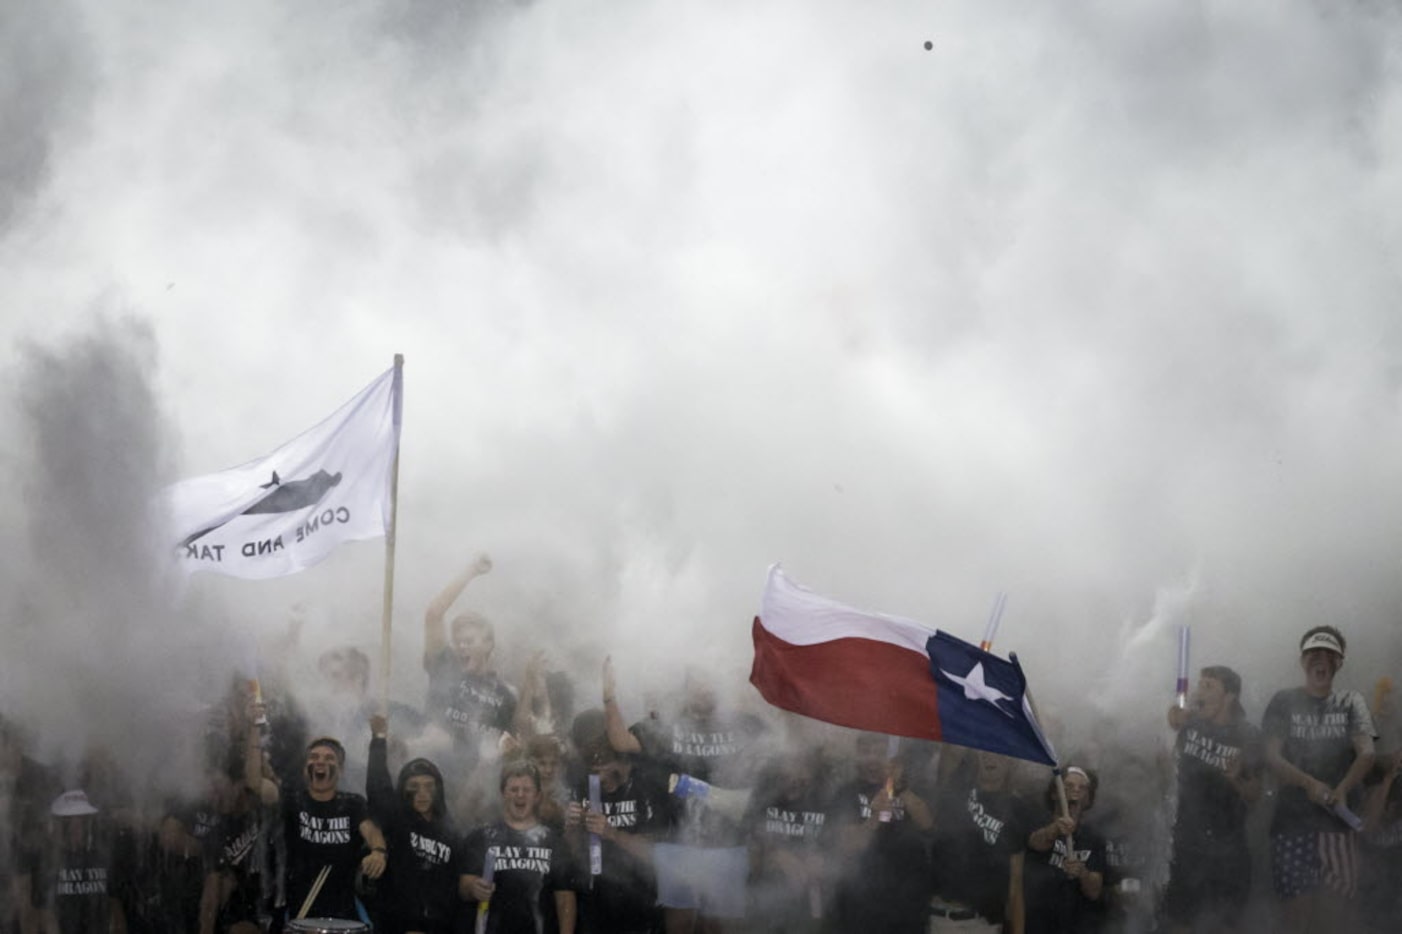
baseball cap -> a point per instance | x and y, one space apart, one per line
1322 640
72 804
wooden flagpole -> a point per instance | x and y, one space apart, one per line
388 609
1057 771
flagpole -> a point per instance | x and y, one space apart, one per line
387 612
1057 772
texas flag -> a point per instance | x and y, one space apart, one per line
871 671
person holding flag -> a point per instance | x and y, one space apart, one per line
885 674
425 849
1064 867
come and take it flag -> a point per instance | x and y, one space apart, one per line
869 671
287 511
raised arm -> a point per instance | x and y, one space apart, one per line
435 638
620 737
379 787
265 788
532 692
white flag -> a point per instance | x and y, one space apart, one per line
287 511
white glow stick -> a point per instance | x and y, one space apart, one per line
995 616
489 870
596 848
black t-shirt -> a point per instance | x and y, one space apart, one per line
889 887
717 752
531 866
1053 900
83 873
1317 737
466 704
421 883
797 825
425 858
623 897
317 834
1209 806
976 835
161 891
235 845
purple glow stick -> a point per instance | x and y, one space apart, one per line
1182 667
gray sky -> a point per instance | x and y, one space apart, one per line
1098 306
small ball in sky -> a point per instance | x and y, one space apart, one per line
929 45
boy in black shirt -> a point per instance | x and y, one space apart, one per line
882 843
465 697
635 809
980 830
531 891
1219 777
327 829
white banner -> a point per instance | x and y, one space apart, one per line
287 511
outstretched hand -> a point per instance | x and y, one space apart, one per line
609 680
482 564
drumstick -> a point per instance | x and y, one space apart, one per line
315 891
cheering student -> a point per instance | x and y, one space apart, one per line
1219 777
701 872
882 830
546 752
1062 890
1380 896
634 811
532 886
788 829
465 697
80 875
419 893
1319 744
241 796
980 831
326 831
30 788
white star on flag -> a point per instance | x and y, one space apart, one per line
975 688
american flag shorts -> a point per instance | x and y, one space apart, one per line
1303 862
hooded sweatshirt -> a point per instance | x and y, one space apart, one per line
420 885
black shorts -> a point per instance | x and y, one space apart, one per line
1212 879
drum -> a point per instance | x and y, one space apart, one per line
325 926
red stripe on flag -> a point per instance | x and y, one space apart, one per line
859 683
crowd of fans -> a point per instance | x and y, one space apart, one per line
537 817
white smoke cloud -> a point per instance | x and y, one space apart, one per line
1075 305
